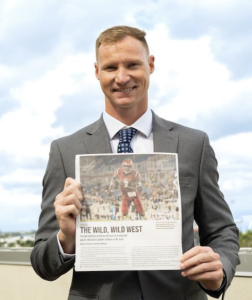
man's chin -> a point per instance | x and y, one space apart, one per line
124 102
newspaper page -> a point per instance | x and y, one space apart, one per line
131 212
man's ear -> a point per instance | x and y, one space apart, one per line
152 64
96 70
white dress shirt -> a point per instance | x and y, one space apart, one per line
142 142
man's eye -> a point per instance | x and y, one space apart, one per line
132 65
110 68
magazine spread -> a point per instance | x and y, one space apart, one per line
131 212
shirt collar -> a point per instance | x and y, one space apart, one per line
143 124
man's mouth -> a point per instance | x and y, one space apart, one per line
126 90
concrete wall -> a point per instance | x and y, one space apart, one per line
20 282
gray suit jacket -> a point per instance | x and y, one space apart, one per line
201 200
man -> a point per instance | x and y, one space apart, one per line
128 180
123 68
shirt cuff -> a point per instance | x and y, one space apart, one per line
222 285
65 256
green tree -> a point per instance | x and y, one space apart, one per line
27 243
245 239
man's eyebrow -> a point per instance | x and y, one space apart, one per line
126 61
137 60
108 64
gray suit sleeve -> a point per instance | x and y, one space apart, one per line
214 218
45 257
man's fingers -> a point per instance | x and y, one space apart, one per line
199 259
70 189
207 267
202 264
68 200
193 252
63 212
70 181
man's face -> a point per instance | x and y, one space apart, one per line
126 168
123 69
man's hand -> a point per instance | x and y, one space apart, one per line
203 265
67 207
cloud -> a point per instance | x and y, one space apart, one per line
33 29
85 102
234 157
27 33
238 156
19 210
231 118
188 71
227 22
50 28
6 163
27 180
6 104
194 89
7 80
79 110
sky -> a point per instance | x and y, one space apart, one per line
203 79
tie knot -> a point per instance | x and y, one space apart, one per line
126 134
125 137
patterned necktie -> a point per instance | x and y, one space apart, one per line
125 137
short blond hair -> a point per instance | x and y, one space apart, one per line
117 33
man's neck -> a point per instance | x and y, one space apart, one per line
126 115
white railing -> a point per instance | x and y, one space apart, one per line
245 268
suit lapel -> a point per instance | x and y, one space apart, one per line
97 139
165 140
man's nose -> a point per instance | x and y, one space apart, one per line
122 76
